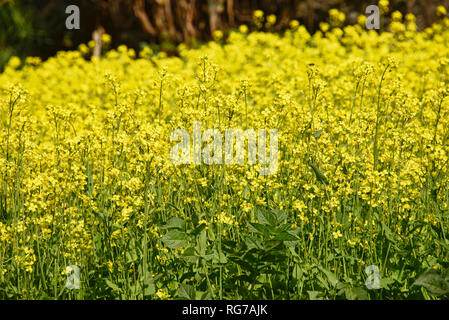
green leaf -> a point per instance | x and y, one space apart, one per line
174 223
385 282
356 293
219 257
200 295
266 217
148 285
112 285
252 242
259 228
285 236
432 281
198 229
131 256
281 216
202 243
297 272
187 292
319 175
388 233
315 295
317 134
175 239
331 277
273 245
444 244
190 255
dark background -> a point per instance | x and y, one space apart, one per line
37 27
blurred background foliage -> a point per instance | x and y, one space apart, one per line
37 27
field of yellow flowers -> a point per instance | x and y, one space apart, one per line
88 189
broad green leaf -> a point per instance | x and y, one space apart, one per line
259 228
265 217
187 292
200 295
252 242
112 285
175 239
198 229
281 216
219 257
297 272
387 232
190 255
331 277
356 293
315 295
385 283
432 281
148 285
285 236
174 223
131 256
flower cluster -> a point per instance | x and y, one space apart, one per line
86 177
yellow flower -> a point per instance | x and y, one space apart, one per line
294 24
14 62
131 53
341 17
396 16
105 38
410 17
91 44
226 219
337 234
243 29
271 19
161 294
122 48
361 20
217 35
258 14
337 18
145 53
35 61
83 48
299 205
85 158
324 26
441 11
383 6
110 266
